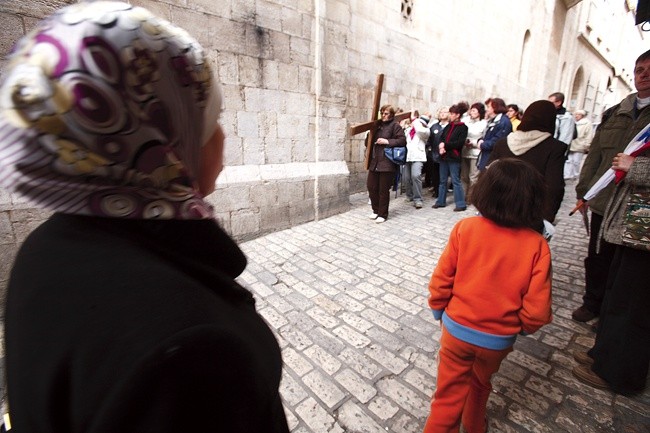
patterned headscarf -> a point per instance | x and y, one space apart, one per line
103 111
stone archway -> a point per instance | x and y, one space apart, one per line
578 90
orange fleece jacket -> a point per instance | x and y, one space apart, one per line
493 279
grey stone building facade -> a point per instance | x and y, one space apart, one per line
297 73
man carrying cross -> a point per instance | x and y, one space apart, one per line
381 171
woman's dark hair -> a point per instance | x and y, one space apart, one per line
459 108
481 109
498 105
511 192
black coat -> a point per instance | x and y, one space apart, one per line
454 136
137 326
548 158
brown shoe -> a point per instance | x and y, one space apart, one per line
583 358
585 375
583 314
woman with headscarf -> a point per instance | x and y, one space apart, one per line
123 314
534 143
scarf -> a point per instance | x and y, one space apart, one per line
103 111
520 142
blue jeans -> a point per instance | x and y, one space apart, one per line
413 181
452 168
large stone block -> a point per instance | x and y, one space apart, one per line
229 35
232 197
253 148
244 224
160 9
38 9
220 8
290 192
233 150
288 73
299 103
301 212
268 121
274 218
6 229
265 194
269 15
301 50
5 200
250 71
292 125
306 79
270 74
291 21
10 31
200 26
247 125
25 220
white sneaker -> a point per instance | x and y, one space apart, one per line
380 220
373 216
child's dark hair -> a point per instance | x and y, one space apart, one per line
511 192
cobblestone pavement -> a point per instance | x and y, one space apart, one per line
346 298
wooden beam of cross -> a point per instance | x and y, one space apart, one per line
371 126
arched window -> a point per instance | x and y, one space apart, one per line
525 59
577 90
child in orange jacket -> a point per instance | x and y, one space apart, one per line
492 282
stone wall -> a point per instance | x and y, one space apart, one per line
297 73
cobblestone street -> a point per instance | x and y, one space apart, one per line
346 298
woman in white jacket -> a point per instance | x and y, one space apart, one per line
416 140
476 125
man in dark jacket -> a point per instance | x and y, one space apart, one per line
619 125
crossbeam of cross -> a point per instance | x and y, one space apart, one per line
371 126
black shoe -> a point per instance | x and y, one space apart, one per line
594 326
436 206
583 314
460 209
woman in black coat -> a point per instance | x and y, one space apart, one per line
123 314
533 142
453 140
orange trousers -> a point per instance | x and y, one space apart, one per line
463 387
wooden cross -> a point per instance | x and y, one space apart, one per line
371 126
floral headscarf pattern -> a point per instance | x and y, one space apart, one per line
103 111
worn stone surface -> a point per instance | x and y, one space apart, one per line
348 305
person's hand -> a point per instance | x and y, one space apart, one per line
583 207
622 162
441 148
382 141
